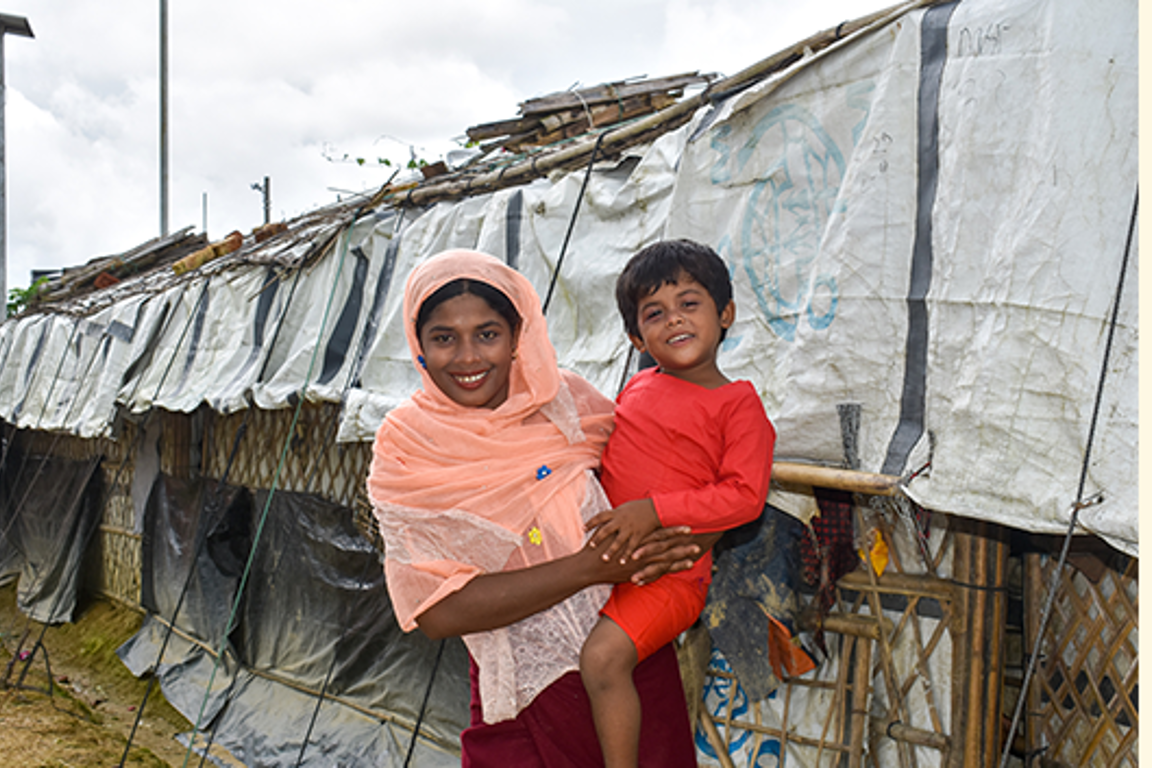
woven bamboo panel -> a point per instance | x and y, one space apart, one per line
302 456
114 568
118 548
120 565
900 676
912 661
1082 708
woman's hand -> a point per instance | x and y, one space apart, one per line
670 550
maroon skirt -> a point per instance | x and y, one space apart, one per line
556 730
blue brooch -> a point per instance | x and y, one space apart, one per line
543 472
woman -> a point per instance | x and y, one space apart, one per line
481 483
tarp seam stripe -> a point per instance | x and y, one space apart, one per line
513 217
202 299
933 55
336 352
36 352
268 292
56 376
270 347
383 287
147 349
201 315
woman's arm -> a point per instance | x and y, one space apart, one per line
495 600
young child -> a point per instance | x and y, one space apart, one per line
690 448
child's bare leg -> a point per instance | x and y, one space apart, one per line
606 664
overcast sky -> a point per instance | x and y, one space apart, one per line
287 88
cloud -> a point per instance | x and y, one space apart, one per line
286 89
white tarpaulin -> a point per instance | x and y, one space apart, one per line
930 225
925 225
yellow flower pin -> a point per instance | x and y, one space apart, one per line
535 536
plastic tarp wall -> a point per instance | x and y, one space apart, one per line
314 612
925 225
931 224
925 222
48 514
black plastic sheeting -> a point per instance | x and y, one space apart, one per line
757 576
313 605
48 512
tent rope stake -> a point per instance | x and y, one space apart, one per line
1081 502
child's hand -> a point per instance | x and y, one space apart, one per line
623 528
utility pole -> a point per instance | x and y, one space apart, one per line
163 118
14 25
266 189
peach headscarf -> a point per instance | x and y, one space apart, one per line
461 491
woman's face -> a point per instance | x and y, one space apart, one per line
468 350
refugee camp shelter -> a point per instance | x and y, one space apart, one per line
930 219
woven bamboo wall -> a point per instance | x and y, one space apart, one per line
891 693
1082 704
113 566
883 697
305 455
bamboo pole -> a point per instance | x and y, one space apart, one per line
980 564
908 584
917 736
1033 596
962 650
897 705
839 699
848 624
861 684
853 481
714 739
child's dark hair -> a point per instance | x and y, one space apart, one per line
493 297
663 262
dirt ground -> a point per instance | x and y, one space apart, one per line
94 698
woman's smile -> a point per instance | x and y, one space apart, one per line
470 380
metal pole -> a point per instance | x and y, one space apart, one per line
267 199
163 118
16 25
3 192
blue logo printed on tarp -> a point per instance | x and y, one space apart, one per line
793 170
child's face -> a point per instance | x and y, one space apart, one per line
680 327
468 351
